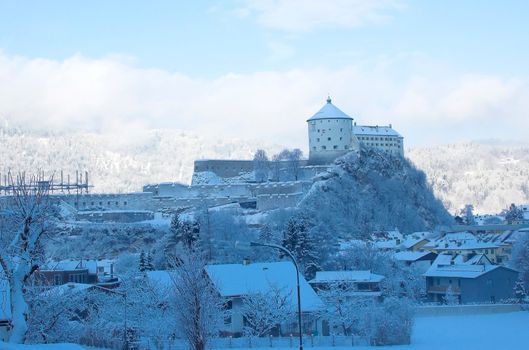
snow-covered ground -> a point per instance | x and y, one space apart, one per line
468 332
5 346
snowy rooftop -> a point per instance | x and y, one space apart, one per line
375 130
71 265
329 111
461 241
349 276
410 256
460 270
239 279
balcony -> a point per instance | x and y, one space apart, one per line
442 290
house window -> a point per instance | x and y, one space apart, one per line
489 282
328 139
57 279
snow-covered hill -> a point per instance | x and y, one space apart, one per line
116 163
489 174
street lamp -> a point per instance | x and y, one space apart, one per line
291 256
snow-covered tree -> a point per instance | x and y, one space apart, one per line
263 312
184 232
467 213
199 309
261 165
143 262
520 260
342 311
24 220
513 214
391 322
519 291
298 241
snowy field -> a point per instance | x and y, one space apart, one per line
468 332
480 332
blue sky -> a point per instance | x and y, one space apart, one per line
192 61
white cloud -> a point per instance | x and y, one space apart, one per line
110 94
305 15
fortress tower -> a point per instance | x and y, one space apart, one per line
330 134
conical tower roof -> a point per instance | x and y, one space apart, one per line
329 111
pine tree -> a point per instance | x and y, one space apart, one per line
298 241
265 234
143 262
184 232
149 266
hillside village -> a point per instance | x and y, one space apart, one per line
231 203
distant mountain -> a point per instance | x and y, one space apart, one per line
488 174
116 163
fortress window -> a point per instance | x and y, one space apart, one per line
124 203
84 203
346 147
318 139
117 203
92 203
335 147
323 147
314 148
341 129
328 139
340 139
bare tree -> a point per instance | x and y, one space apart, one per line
23 221
199 307
265 311
261 166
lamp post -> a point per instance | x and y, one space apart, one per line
291 256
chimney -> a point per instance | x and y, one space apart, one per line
390 126
111 270
246 261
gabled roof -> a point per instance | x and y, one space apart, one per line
329 111
460 270
412 256
233 280
346 276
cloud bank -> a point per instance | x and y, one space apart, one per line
425 102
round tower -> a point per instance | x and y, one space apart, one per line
330 134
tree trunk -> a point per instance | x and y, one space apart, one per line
19 310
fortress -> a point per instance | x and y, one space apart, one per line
331 134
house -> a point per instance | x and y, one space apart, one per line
468 244
394 240
421 260
5 310
99 272
471 281
356 283
236 281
